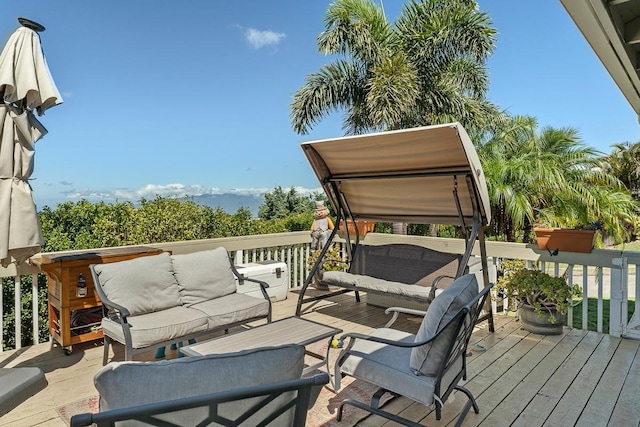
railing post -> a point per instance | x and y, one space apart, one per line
618 305
632 329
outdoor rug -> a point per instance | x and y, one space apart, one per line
323 413
88 404
325 410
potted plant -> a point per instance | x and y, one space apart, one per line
542 301
332 261
579 239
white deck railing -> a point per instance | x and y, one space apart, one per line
603 274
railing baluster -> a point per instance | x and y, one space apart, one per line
34 307
585 296
18 311
600 279
636 306
294 266
570 283
1 315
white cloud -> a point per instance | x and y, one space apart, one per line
170 190
150 191
261 38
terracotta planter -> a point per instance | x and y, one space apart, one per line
536 324
563 239
363 228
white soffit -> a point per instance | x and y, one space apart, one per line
612 28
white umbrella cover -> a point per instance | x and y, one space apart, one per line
25 85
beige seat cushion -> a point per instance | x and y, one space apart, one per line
151 328
232 308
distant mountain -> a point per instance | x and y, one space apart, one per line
230 203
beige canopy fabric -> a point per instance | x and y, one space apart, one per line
25 86
424 175
24 73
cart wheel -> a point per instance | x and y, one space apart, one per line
67 350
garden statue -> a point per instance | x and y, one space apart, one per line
321 227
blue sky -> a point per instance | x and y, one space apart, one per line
193 97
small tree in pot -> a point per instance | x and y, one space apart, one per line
542 300
332 261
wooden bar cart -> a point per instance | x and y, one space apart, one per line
74 306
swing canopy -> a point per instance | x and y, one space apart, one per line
425 175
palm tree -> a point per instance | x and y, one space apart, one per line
428 68
551 177
624 163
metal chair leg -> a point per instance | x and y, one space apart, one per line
384 414
105 351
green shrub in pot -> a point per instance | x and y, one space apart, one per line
546 294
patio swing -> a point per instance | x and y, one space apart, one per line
425 175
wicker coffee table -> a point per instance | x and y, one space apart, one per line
291 330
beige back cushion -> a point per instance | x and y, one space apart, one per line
203 275
142 285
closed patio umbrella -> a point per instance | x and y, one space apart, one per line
26 87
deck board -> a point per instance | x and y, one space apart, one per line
561 376
531 376
575 399
627 409
520 379
603 400
491 398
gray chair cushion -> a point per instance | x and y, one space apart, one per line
426 359
19 384
386 366
151 328
142 285
233 308
125 384
203 275
341 278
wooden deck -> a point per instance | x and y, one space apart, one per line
522 379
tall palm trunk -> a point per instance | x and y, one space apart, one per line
527 229
400 228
